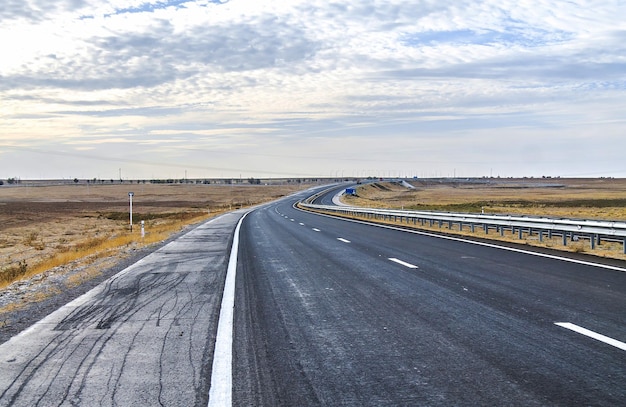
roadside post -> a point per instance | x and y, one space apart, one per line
143 230
130 197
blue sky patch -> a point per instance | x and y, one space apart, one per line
151 7
510 35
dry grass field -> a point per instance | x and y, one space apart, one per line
563 198
86 225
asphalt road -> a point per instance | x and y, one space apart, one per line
330 312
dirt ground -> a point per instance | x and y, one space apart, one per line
40 220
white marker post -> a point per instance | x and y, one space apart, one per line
143 231
130 197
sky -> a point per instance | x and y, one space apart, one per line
255 88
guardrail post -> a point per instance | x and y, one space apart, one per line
550 234
541 235
520 233
486 228
592 239
460 226
501 230
624 242
564 239
472 227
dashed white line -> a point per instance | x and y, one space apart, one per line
316 230
492 245
301 224
591 334
403 263
341 239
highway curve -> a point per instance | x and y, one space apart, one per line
333 312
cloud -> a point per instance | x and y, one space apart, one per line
37 11
251 76
160 54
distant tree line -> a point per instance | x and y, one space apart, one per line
227 181
11 181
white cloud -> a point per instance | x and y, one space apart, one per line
257 78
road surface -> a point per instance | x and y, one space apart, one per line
333 312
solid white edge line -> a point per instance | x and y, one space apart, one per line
492 245
341 239
591 334
403 263
221 390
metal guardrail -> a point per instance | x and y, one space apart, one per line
313 197
573 229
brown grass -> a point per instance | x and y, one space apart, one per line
572 198
95 247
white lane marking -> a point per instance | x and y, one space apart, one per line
316 230
341 239
221 390
301 224
403 263
292 220
492 245
591 334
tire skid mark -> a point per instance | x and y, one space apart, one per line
88 315
105 317
27 373
167 335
